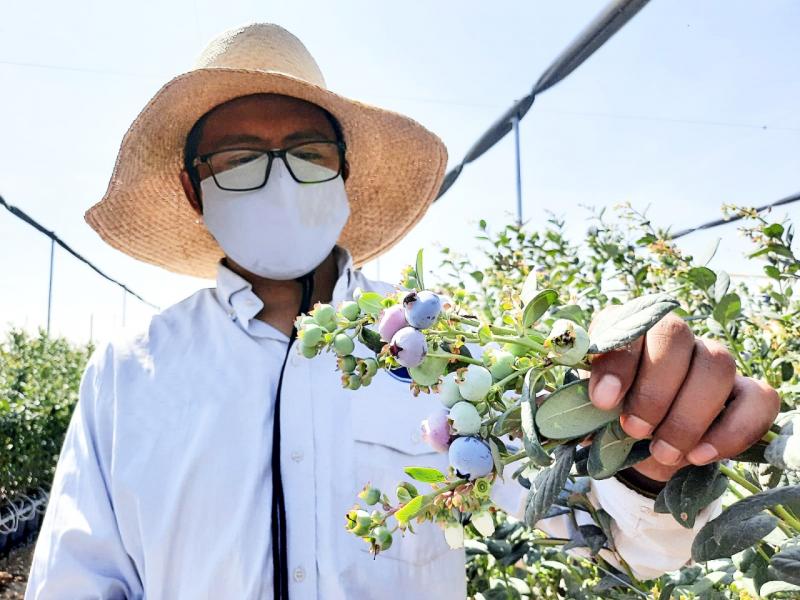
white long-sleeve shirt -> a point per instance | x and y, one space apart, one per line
163 485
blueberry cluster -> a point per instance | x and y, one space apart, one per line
401 326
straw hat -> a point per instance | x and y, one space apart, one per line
396 165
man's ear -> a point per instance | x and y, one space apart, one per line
191 192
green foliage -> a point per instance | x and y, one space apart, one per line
624 256
39 380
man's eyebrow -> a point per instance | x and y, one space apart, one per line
307 134
240 138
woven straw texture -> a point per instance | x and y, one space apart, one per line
396 165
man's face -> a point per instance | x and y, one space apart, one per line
258 122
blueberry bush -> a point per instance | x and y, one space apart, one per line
503 343
39 380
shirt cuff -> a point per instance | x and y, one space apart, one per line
651 543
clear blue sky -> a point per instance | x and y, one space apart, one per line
692 105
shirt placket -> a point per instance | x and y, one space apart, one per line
297 466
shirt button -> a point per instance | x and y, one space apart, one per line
299 574
297 456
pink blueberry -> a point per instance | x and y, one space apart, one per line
436 430
392 321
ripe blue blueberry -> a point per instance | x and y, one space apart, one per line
422 309
409 347
470 457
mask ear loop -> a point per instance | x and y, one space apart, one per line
280 550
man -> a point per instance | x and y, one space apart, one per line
206 458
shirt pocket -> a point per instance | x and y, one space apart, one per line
385 423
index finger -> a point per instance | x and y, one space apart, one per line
613 372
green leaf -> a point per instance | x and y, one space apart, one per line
529 286
419 271
614 329
728 308
774 587
548 484
741 524
773 272
702 277
722 285
573 312
371 339
568 413
786 564
784 450
370 303
509 421
775 230
608 451
410 509
425 474
530 438
538 306
690 490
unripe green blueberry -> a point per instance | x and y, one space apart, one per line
302 321
347 364
358 522
448 390
311 335
465 418
500 363
308 351
406 491
474 383
382 537
515 349
370 495
371 366
353 381
350 310
365 380
343 344
429 372
324 314
568 342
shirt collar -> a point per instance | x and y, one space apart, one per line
236 295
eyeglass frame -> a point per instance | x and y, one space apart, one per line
272 154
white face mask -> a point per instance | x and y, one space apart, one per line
280 231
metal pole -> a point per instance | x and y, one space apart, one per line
50 284
519 172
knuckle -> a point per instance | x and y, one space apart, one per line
673 330
715 359
681 430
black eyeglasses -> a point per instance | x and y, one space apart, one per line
245 169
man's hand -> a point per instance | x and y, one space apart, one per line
685 393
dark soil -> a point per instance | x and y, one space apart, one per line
14 573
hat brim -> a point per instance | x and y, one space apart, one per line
396 167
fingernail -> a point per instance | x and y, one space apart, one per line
636 427
606 392
702 454
665 453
